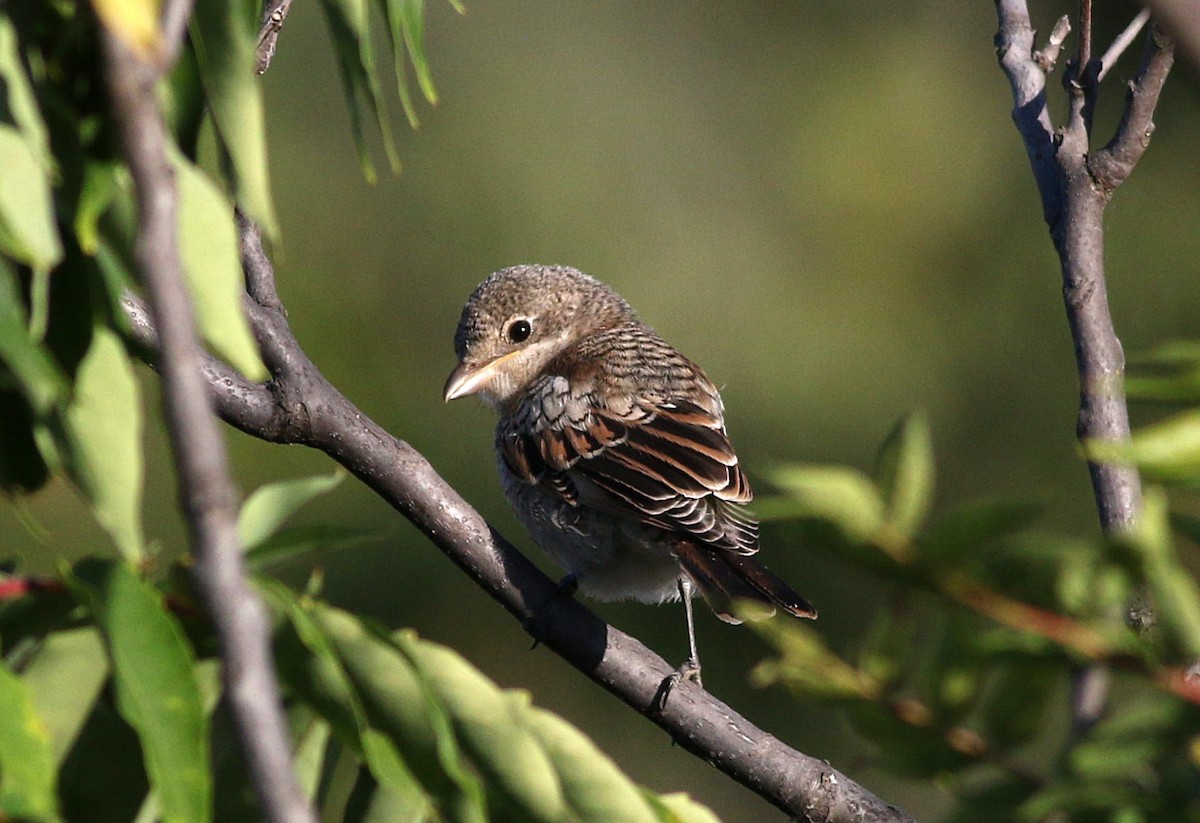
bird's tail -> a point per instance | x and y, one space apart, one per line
724 578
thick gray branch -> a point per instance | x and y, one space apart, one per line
309 410
207 495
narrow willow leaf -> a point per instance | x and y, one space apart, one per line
491 727
308 662
156 689
400 706
843 496
65 678
134 21
270 506
905 474
28 777
27 229
104 420
406 31
349 23
208 243
39 378
594 788
225 34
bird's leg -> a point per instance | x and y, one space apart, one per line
690 668
565 588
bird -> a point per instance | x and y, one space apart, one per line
612 449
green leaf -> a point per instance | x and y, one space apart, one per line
96 192
225 34
297 541
1169 449
843 496
406 29
270 506
208 243
27 229
809 667
156 689
905 474
28 778
104 421
491 726
1172 587
594 788
19 100
678 806
41 381
65 678
400 706
349 23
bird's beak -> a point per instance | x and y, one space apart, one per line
469 378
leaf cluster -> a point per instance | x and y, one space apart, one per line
964 674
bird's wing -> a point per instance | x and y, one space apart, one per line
664 462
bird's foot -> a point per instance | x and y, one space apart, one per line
688 670
565 588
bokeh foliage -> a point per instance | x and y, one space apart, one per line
109 684
834 264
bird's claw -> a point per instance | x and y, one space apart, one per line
687 670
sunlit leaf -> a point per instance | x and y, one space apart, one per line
105 432
225 34
680 807
297 541
19 96
156 689
841 495
399 705
64 679
208 242
269 507
1167 449
27 229
491 727
28 777
594 788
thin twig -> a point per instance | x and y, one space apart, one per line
1123 41
1113 164
1047 56
207 494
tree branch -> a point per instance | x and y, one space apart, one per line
207 495
1075 186
274 14
310 411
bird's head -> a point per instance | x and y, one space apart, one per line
518 320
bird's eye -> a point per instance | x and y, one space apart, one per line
518 331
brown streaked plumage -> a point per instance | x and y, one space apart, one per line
611 445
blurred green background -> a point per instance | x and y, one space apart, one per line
825 204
